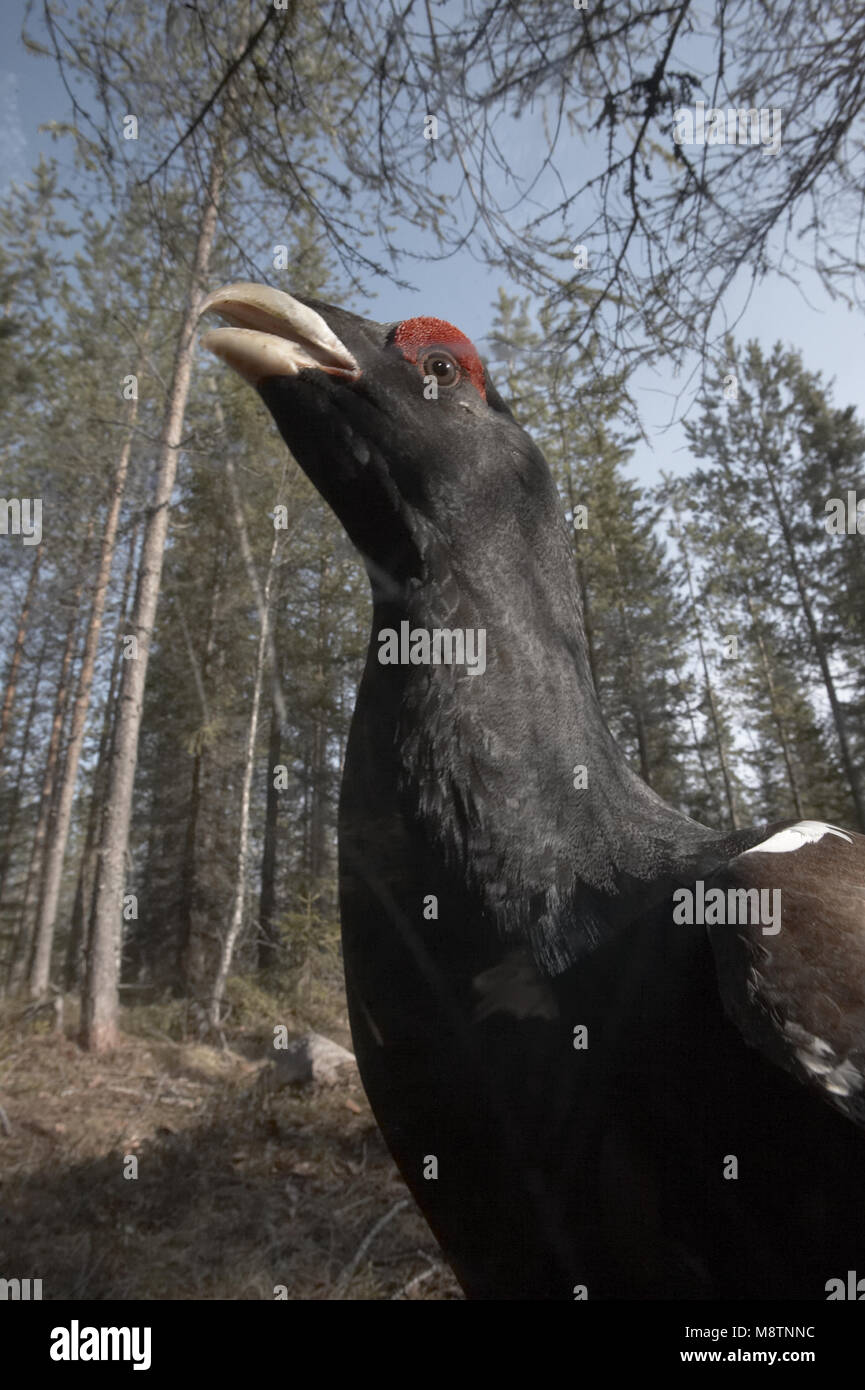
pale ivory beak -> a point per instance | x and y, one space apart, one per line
272 334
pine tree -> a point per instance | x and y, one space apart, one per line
759 511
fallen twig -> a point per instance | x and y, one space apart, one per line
345 1278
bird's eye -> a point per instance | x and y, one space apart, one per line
442 366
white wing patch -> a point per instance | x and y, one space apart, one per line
840 1076
795 836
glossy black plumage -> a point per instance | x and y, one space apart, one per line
545 1167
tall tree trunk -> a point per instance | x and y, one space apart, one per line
18 651
710 693
268 939
186 958
582 585
850 769
20 957
853 562
767 670
635 678
774 708
17 793
698 744
236 920
25 753
87 866
99 1011
305 806
40 968
318 816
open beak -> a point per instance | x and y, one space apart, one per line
272 334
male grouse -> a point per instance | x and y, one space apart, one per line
599 1038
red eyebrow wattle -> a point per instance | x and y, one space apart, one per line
415 335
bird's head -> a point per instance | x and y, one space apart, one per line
397 425
456 514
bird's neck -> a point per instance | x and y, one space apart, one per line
512 769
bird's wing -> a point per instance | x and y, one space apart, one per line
791 955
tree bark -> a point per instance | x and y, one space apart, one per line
268 939
100 1002
20 957
318 818
775 711
15 798
635 678
698 747
710 693
236 920
585 601
84 884
18 651
186 958
850 769
46 918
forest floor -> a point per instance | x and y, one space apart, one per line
242 1185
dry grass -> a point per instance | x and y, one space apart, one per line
240 1189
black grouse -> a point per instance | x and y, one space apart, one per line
614 1053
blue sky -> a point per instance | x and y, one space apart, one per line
461 289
